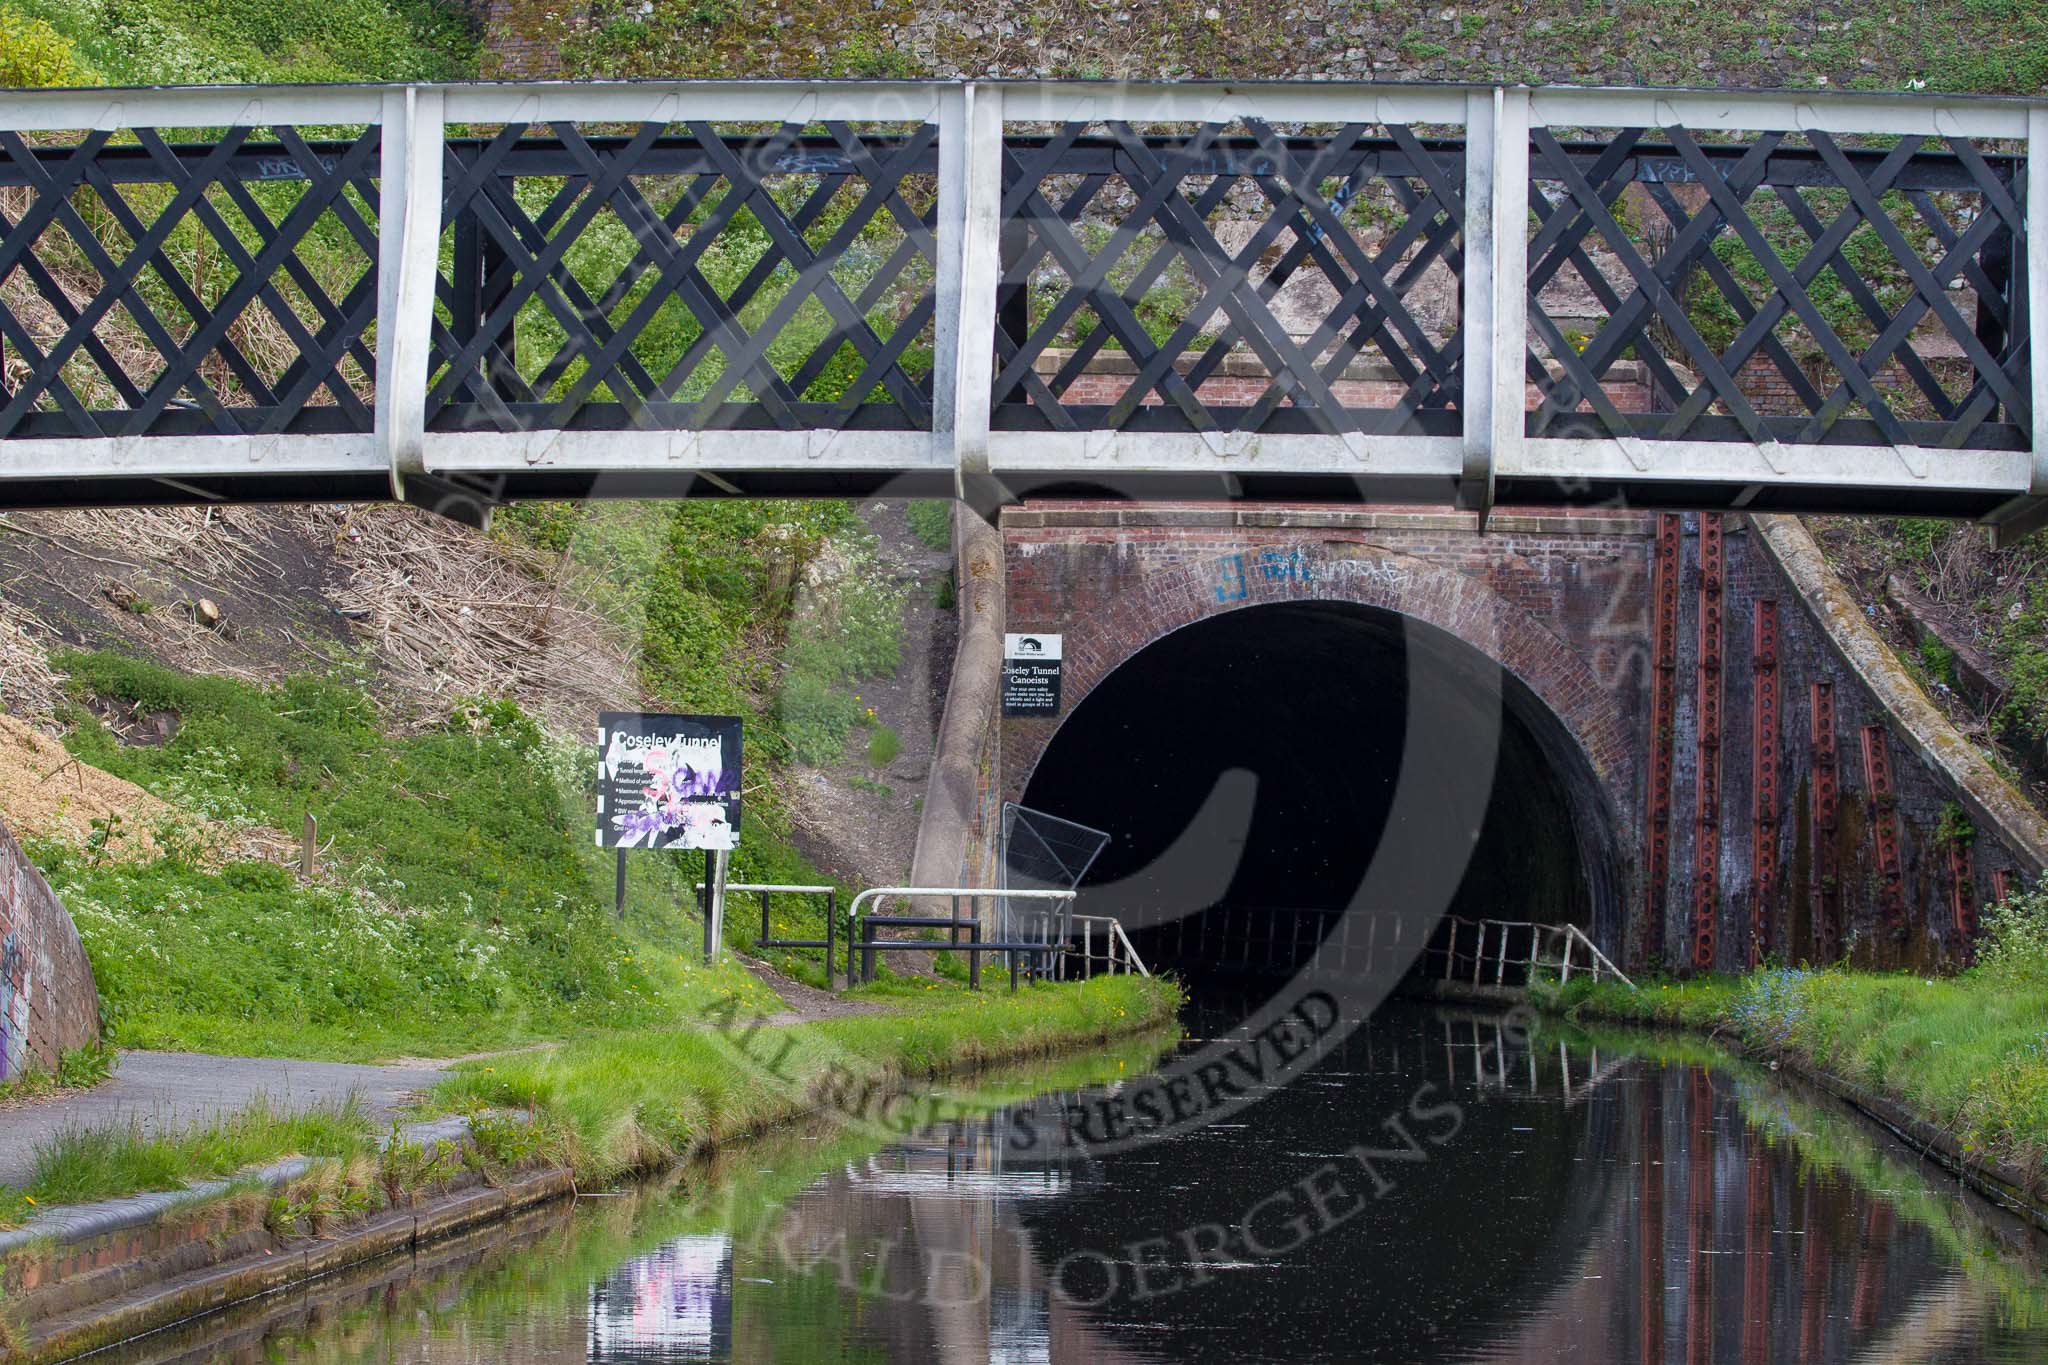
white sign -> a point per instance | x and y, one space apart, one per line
1031 675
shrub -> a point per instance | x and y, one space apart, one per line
883 746
2022 647
35 56
2014 947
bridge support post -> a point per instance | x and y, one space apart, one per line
2023 516
1496 293
970 268
408 260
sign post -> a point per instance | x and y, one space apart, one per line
670 782
1031 675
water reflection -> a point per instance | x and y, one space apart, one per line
1435 1191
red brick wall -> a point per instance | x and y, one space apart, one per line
1562 602
48 1003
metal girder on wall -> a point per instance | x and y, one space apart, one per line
1797 301
1884 830
1766 747
1706 891
1663 727
1825 799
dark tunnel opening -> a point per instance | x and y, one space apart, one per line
1283 728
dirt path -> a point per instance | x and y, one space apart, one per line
806 1002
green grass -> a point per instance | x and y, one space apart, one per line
931 521
634 1101
465 904
1993 46
883 746
84 1164
1969 1053
164 42
629 1102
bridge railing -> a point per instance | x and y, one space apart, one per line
1551 295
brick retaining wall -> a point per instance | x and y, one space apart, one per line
48 1002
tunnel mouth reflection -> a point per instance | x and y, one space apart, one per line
1245 769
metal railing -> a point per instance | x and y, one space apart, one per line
473 292
1022 954
1117 956
1496 946
766 938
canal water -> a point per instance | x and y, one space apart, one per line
1443 1187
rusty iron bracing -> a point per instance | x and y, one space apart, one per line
1706 904
1663 707
1767 739
1827 816
1884 829
1962 896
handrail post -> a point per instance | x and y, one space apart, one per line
831 923
408 264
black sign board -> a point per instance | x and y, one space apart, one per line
667 781
1031 675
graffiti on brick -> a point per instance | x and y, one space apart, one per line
1378 573
1233 574
14 1004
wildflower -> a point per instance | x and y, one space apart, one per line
30 1200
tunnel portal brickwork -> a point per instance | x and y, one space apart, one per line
1565 604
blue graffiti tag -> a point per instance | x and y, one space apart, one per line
1233 578
1230 584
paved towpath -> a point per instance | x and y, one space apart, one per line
170 1090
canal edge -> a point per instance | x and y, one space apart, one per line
147 1263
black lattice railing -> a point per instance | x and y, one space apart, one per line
1232 279
149 288
686 278
1778 288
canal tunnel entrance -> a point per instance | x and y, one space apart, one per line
1246 767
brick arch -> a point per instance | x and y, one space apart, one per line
1574 717
1456 603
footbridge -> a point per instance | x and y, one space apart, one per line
1284 292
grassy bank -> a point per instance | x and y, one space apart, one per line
460 904
1968 1053
619 1103
633 1101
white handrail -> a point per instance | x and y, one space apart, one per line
1600 960
877 892
1566 936
1117 937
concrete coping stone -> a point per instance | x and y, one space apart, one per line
1945 749
81 1222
